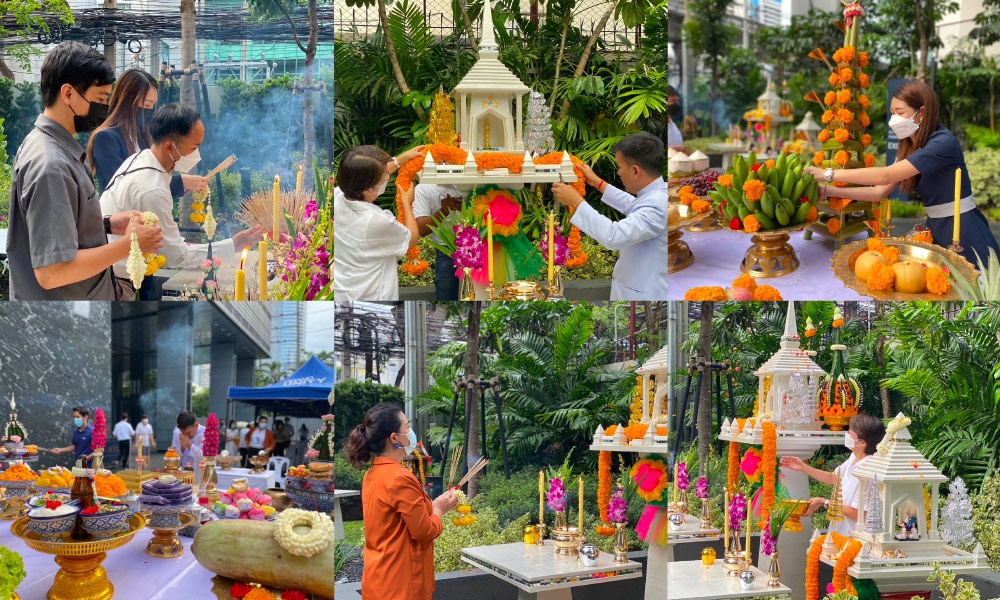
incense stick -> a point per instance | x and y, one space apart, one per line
479 466
223 165
456 457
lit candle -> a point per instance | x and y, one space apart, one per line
489 244
958 204
725 547
241 278
541 497
298 180
748 533
888 211
581 505
262 267
276 209
552 244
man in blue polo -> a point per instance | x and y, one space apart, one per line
83 435
641 270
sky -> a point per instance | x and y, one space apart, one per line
319 327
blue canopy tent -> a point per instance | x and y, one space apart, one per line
304 394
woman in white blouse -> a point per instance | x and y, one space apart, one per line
369 239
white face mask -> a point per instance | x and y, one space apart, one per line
145 421
903 127
381 189
848 441
184 164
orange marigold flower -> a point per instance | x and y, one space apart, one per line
864 101
876 245
866 140
830 98
770 163
701 206
844 96
685 190
837 323
706 294
751 224
841 135
746 282
845 116
881 277
765 293
834 79
810 333
891 254
863 80
869 160
865 120
833 226
937 281
819 158
725 181
823 136
688 199
924 236
847 53
838 55
841 157
839 203
846 74
863 59
827 116
754 189
813 214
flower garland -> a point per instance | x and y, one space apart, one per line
136 264
210 447
604 483
733 475
317 540
812 568
420 467
847 556
750 466
651 476
154 262
769 466
504 208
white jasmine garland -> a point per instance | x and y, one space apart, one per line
210 223
136 264
305 545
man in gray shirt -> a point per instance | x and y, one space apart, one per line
57 244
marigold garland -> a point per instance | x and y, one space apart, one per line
769 466
830 98
577 257
765 293
881 277
812 568
604 483
746 282
841 135
701 206
650 490
733 475
866 139
937 281
841 158
706 294
844 561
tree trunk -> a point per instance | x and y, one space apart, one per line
309 144
390 48
188 37
5 71
559 59
472 449
653 312
923 20
705 400
880 361
468 26
589 49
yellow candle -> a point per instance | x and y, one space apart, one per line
552 244
748 532
276 209
489 244
725 508
581 505
888 211
262 268
541 496
241 278
958 204
298 180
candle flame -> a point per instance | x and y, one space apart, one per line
277 179
265 236
243 257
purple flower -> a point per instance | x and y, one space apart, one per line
562 247
737 511
683 482
701 489
468 248
311 210
766 541
556 495
616 508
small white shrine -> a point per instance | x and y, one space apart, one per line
897 547
656 371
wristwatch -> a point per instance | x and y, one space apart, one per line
107 225
828 175
396 161
826 503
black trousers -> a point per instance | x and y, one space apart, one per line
245 457
123 450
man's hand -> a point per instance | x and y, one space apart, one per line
249 238
120 222
185 441
194 183
592 179
566 195
793 462
451 204
150 238
56 451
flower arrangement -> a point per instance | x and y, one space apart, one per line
750 466
683 481
209 285
764 197
306 269
701 488
562 247
810 328
651 476
555 498
839 395
321 444
769 468
617 507
743 288
737 511
100 436
469 249
210 447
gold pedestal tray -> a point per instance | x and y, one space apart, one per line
794 523
522 290
771 255
165 543
679 255
81 576
931 255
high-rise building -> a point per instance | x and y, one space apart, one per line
288 334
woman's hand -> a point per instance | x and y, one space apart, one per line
409 195
410 155
793 462
814 505
825 191
445 503
816 172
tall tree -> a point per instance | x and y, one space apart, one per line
472 448
390 47
880 360
32 17
710 36
705 399
188 38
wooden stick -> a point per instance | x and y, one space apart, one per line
479 466
456 457
223 166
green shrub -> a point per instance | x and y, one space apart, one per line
345 476
981 138
985 507
904 210
448 547
984 170
354 398
343 553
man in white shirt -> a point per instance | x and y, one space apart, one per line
244 445
864 432
123 432
189 436
641 270
144 434
439 204
142 183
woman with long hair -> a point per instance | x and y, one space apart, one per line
126 131
926 161
401 522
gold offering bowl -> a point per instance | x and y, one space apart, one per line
226 462
171 464
794 522
929 254
771 255
567 539
522 290
81 576
259 463
735 563
679 255
165 543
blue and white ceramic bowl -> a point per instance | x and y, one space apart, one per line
106 523
52 526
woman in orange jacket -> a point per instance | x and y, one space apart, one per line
401 522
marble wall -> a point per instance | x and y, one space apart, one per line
54 356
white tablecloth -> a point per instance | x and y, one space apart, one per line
718 255
134 573
262 481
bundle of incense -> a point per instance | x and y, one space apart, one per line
223 166
456 460
476 468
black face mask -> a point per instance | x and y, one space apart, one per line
674 110
143 118
94 118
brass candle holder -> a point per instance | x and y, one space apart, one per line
541 534
556 291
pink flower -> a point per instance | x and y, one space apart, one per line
617 508
750 464
556 495
217 261
212 285
206 264
327 417
504 210
683 482
701 489
562 247
312 453
210 447
199 282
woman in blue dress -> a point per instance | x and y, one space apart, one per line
926 161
